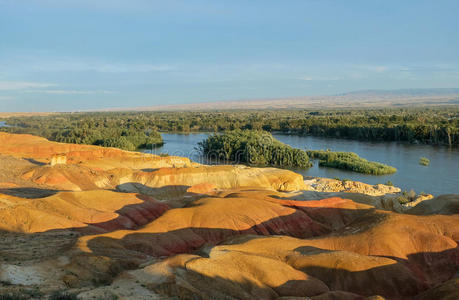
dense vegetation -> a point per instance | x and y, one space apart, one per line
252 147
93 129
407 197
437 125
350 161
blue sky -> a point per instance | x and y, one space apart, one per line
84 54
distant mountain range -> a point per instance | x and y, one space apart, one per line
407 92
356 99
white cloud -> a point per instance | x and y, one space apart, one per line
319 78
41 62
42 88
22 85
75 65
377 69
122 68
132 6
70 92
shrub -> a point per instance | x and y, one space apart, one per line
21 294
120 142
63 295
402 199
424 161
407 196
411 194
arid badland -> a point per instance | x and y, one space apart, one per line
90 222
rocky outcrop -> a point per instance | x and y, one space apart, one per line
163 182
222 177
41 150
58 159
443 204
382 196
319 184
448 290
418 199
81 167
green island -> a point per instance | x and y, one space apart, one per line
253 147
350 161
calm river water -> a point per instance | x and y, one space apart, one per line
441 177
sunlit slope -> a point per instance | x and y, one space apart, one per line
104 222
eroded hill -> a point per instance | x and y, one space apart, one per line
104 223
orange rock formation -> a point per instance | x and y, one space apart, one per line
112 223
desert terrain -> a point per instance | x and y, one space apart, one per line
86 222
352 100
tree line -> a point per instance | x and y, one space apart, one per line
431 125
91 129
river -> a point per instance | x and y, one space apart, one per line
440 177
